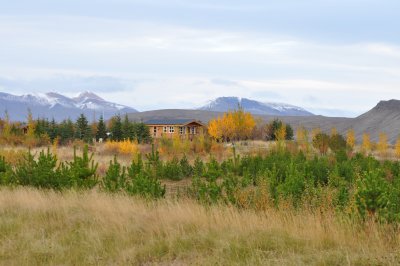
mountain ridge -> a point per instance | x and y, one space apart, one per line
58 106
226 103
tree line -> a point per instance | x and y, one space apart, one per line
45 130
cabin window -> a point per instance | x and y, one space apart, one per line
193 130
165 129
155 130
171 129
181 130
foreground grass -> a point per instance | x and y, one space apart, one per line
81 228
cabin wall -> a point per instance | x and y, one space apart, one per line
185 132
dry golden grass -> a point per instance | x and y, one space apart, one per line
86 228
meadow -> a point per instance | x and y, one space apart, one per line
255 202
45 227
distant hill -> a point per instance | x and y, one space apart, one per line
54 105
223 104
201 115
384 117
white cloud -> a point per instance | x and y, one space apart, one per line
177 66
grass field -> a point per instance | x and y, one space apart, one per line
91 228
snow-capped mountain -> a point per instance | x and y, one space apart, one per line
54 105
223 104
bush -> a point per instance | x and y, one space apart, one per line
5 172
146 186
41 173
125 147
337 143
115 178
321 142
372 195
82 170
186 168
133 180
172 170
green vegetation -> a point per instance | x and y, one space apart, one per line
134 180
45 172
356 185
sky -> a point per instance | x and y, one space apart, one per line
332 57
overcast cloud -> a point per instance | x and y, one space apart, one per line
331 57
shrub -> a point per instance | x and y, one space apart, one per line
111 147
172 170
125 147
213 170
41 173
206 191
321 142
128 147
5 172
337 143
154 164
142 182
372 194
132 180
198 167
82 170
294 184
115 178
144 185
186 168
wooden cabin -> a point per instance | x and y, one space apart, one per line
184 128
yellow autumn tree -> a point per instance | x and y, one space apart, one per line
31 125
382 144
301 134
315 132
244 124
233 125
302 137
334 131
7 125
280 134
351 139
366 143
228 125
215 128
30 139
397 148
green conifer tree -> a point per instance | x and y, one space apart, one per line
66 130
116 128
127 129
83 130
101 129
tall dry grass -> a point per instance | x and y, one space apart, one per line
86 228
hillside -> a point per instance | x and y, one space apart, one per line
201 115
384 117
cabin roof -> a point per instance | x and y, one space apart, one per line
172 122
